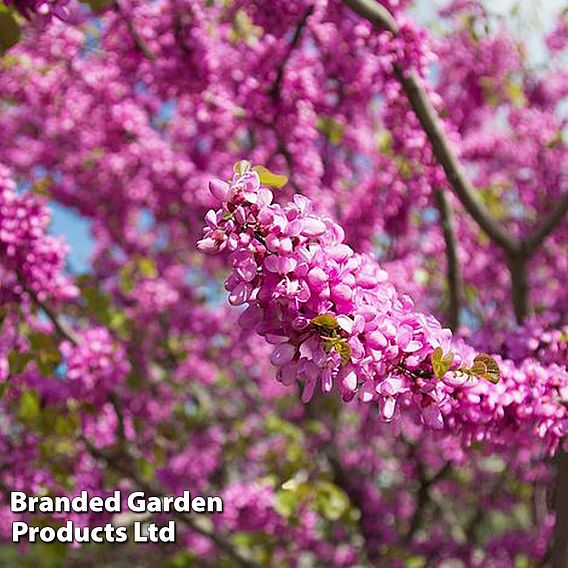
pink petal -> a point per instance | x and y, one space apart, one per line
282 354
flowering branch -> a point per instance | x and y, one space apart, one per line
59 326
121 464
332 315
136 38
275 89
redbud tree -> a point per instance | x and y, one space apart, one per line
328 279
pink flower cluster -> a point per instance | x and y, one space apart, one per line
250 507
96 366
29 257
529 397
331 314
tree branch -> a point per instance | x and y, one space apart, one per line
423 496
519 284
431 124
375 13
59 326
454 276
467 194
136 37
555 217
275 89
560 546
120 465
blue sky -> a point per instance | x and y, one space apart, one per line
77 231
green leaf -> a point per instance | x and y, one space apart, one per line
286 503
9 31
29 405
342 347
384 143
441 363
147 267
331 129
45 352
331 501
18 361
241 167
515 93
485 367
243 29
66 425
97 5
325 321
270 179
145 468
41 186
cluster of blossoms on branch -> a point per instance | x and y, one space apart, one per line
334 319
332 314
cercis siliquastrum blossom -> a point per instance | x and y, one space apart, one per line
30 259
331 313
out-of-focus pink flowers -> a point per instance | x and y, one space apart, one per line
29 257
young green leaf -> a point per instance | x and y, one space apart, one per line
342 347
325 321
485 367
270 179
441 363
29 405
9 31
18 361
242 167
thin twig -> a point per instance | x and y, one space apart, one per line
454 276
555 217
121 464
136 37
59 326
275 89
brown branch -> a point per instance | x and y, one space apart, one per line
432 126
136 37
372 11
467 194
454 276
519 284
560 547
121 464
59 326
423 497
116 405
555 217
275 89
